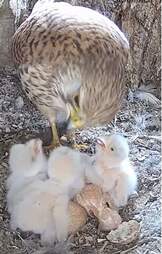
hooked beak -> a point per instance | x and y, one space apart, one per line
75 119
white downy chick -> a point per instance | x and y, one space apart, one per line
65 167
33 200
112 169
36 212
27 163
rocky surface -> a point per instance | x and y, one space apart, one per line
6 32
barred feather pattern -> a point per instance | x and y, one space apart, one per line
64 50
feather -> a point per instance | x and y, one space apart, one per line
140 122
148 97
70 177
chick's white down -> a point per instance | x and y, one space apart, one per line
65 167
27 164
39 191
37 204
111 168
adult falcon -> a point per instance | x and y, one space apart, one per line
71 63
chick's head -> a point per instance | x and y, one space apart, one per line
27 159
113 148
34 156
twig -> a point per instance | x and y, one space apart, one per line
23 241
103 247
125 251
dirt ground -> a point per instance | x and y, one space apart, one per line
138 121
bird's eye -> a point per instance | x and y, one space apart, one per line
112 149
76 99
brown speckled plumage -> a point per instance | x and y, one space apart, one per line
62 50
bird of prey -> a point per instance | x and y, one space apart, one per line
71 62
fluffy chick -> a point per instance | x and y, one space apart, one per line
35 202
65 167
27 163
111 168
39 202
36 212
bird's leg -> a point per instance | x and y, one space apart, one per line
76 123
55 138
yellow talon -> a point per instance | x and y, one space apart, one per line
55 137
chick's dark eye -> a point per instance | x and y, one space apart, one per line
112 149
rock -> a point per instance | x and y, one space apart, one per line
126 233
7 129
19 103
141 23
1 3
6 32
